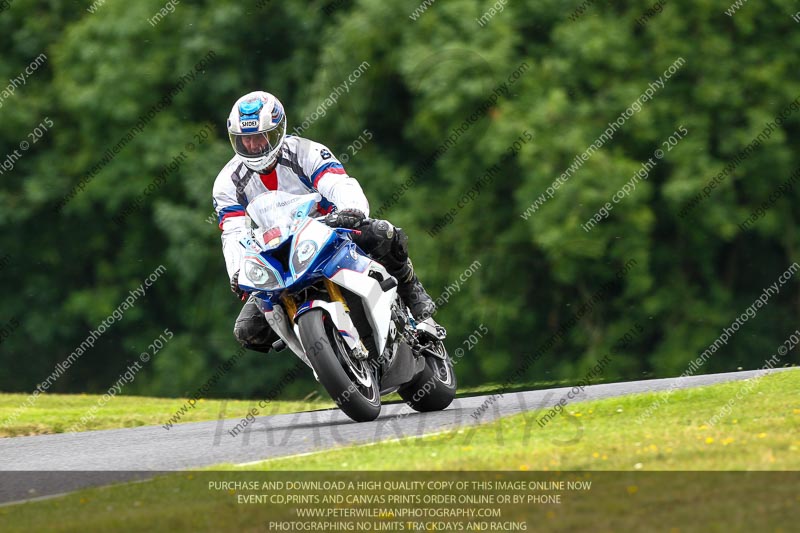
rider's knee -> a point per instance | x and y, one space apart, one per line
246 332
254 334
240 333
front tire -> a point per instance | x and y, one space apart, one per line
435 387
350 382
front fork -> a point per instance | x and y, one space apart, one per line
356 346
339 313
280 322
283 319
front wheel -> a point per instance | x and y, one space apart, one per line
435 387
350 382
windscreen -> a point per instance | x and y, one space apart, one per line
274 211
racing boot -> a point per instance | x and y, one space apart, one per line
421 304
413 293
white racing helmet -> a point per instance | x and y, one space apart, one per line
257 128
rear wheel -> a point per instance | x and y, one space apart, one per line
350 381
435 387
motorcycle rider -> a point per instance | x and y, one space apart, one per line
266 158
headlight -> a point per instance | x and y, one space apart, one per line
260 276
303 254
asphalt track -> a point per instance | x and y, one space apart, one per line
51 464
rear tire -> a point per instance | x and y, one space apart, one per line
435 387
350 382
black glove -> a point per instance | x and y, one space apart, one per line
236 289
346 218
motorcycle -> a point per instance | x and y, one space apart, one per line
338 311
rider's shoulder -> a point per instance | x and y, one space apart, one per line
231 167
303 147
227 173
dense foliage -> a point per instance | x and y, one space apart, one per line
432 96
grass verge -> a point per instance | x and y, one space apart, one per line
57 413
760 432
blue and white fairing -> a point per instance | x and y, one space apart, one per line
292 251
